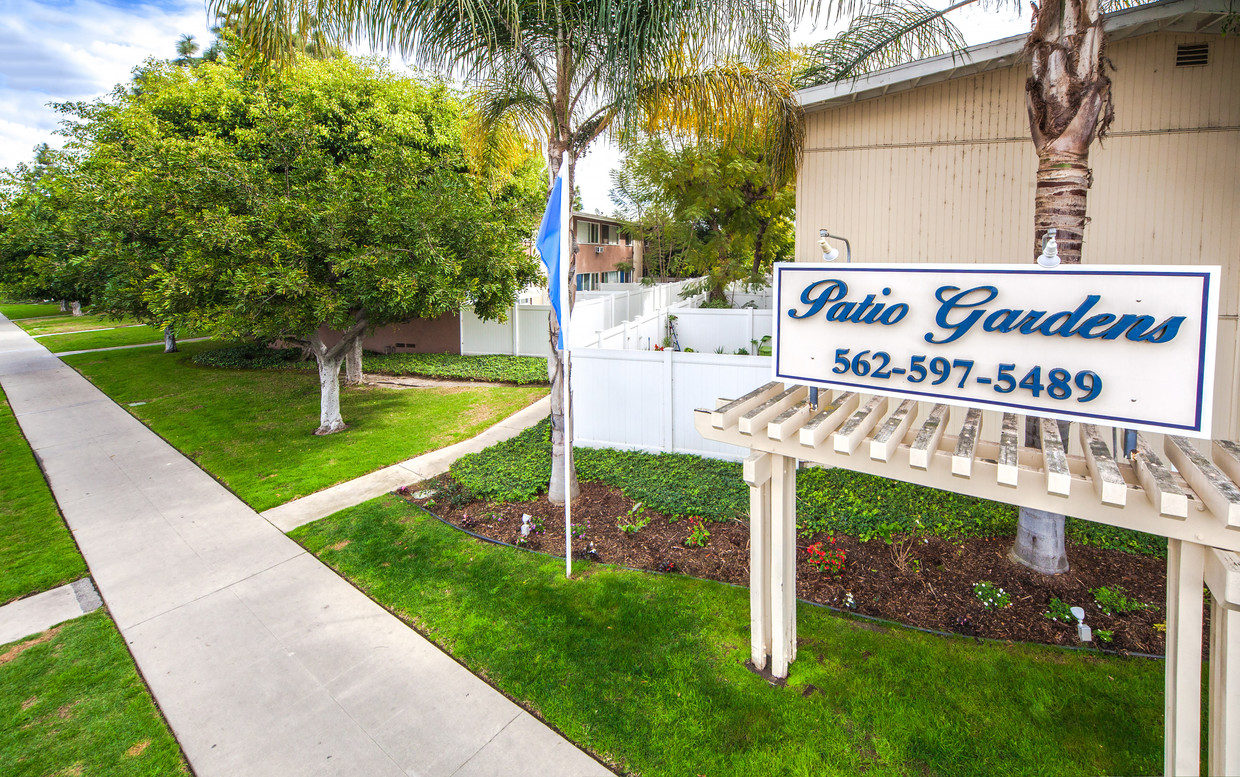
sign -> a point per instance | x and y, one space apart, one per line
1127 346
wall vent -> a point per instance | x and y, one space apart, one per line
1192 54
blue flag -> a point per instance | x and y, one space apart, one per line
550 242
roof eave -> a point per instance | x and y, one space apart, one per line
1166 16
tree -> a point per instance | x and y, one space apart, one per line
40 255
310 206
1068 96
568 72
726 211
187 47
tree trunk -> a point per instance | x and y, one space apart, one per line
330 421
559 434
329 361
558 154
76 308
353 364
1068 96
170 339
64 306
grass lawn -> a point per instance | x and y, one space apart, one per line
12 310
54 324
36 550
130 335
252 429
648 670
71 703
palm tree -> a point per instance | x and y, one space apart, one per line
1068 95
570 72
187 47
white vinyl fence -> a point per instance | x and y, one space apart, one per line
644 400
525 331
625 394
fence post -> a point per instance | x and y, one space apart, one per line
516 330
750 338
669 373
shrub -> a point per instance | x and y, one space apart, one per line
521 370
249 356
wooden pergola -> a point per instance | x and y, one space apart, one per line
1196 507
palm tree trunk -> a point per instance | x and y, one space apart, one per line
1068 96
561 438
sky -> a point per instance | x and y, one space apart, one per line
70 50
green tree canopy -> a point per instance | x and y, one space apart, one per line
40 254
722 211
332 197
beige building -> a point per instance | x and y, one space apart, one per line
932 161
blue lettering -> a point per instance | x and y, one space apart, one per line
833 290
959 300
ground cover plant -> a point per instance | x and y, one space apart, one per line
253 429
36 550
16 310
518 370
961 586
72 703
828 500
108 338
648 671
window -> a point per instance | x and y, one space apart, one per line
592 232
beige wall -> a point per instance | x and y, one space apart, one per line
946 173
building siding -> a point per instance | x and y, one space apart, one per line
945 173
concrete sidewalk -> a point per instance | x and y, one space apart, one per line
33 614
323 503
264 661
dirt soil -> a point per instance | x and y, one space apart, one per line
930 587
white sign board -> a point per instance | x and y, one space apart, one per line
1123 346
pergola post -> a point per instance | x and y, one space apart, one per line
772 561
783 563
1223 579
757 471
1182 738
780 428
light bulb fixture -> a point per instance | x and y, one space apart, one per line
830 253
1050 250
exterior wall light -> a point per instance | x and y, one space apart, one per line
830 254
1050 251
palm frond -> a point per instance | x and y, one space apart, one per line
730 103
890 33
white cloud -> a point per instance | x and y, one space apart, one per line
77 50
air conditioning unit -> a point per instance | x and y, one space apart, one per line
598 249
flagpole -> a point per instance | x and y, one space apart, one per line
566 305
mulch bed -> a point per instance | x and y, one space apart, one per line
932 589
